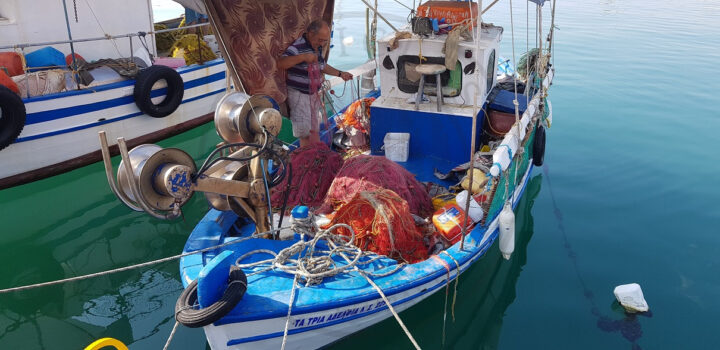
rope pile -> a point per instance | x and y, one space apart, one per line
313 168
312 261
373 173
382 223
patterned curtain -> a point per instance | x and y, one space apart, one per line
257 32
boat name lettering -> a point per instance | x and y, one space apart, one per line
334 316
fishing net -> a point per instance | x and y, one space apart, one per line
372 173
383 224
527 63
357 115
193 49
164 41
313 169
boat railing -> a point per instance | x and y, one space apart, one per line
73 66
107 37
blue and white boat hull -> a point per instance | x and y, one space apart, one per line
328 320
61 129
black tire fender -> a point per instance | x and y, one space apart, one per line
194 318
143 88
539 146
12 120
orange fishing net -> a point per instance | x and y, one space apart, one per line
357 115
383 224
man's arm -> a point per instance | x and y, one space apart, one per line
336 72
286 62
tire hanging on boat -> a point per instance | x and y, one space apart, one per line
194 318
539 146
12 116
143 88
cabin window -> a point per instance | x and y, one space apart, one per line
491 70
408 79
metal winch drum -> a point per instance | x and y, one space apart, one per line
239 117
162 174
232 171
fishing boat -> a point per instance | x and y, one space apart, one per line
252 282
52 128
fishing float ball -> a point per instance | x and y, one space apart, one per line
348 41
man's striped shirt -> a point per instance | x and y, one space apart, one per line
297 75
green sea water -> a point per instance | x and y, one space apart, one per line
628 194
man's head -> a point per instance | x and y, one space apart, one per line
318 33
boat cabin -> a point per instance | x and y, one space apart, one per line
437 129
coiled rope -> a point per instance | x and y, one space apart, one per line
314 268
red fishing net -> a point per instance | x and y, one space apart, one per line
371 173
383 224
313 169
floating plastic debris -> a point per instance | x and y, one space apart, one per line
630 296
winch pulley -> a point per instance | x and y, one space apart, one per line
160 180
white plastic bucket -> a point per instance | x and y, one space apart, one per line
397 146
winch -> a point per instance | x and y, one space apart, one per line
234 177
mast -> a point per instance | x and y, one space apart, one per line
72 47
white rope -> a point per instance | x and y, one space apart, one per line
515 100
390 307
313 269
287 320
121 269
103 30
172 334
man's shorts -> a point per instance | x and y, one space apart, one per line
301 115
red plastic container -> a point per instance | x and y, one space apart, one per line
12 62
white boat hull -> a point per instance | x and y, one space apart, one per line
61 131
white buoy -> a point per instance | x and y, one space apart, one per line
507 231
630 296
348 40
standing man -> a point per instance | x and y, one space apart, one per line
304 51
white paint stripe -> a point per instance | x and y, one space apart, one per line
109 113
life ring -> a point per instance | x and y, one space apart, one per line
143 88
539 146
12 121
194 318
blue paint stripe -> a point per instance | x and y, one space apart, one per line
114 85
86 126
53 114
